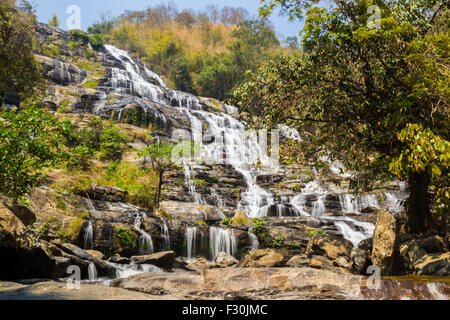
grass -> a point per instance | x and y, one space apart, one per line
90 84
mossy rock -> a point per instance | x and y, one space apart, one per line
126 241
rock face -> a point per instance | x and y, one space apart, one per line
199 264
384 243
277 284
164 260
225 260
60 72
265 258
433 264
330 246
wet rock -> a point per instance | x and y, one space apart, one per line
384 243
330 246
119 260
100 193
164 260
225 260
200 264
433 264
360 260
96 254
366 245
265 258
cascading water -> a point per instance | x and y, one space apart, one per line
222 240
191 239
145 240
165 237
243 150
92 271
89 236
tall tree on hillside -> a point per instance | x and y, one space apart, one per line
54 22
19 71
377 97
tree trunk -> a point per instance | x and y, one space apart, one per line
158 190
419 216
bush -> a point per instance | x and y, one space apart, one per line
226 221
80 158
316 232
126 239
113 144
79 35
96 40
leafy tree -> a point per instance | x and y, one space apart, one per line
80 157
54 22
375 98
19 71
29 141
160 155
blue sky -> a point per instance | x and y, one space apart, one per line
92 9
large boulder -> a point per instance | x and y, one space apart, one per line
265 258
385 243
164 260
330 246
433 264
298 261
225 260
199 264
241 219
59 72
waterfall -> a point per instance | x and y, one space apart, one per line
222 240
92 271
89 236
191 238
319 208
124 270
165 237
253 239
394 203
145 240
245 151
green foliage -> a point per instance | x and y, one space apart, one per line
113 144
54 22
360 87
140 184
126 238
29 142
79 35
226 221
278 242
19 71
96 40
193 52
316 232
80 158
90 84
202 223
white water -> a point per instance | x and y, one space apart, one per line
245 151
165 237
253 239
222 240
191 238
145 240
88 236
125 271
92 272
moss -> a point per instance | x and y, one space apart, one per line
226 221
90 85
127 239
203 223
316 232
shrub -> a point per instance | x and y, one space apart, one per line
96 40
90 84
113 144
79 35
226 221
316 232
80 158
126 238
